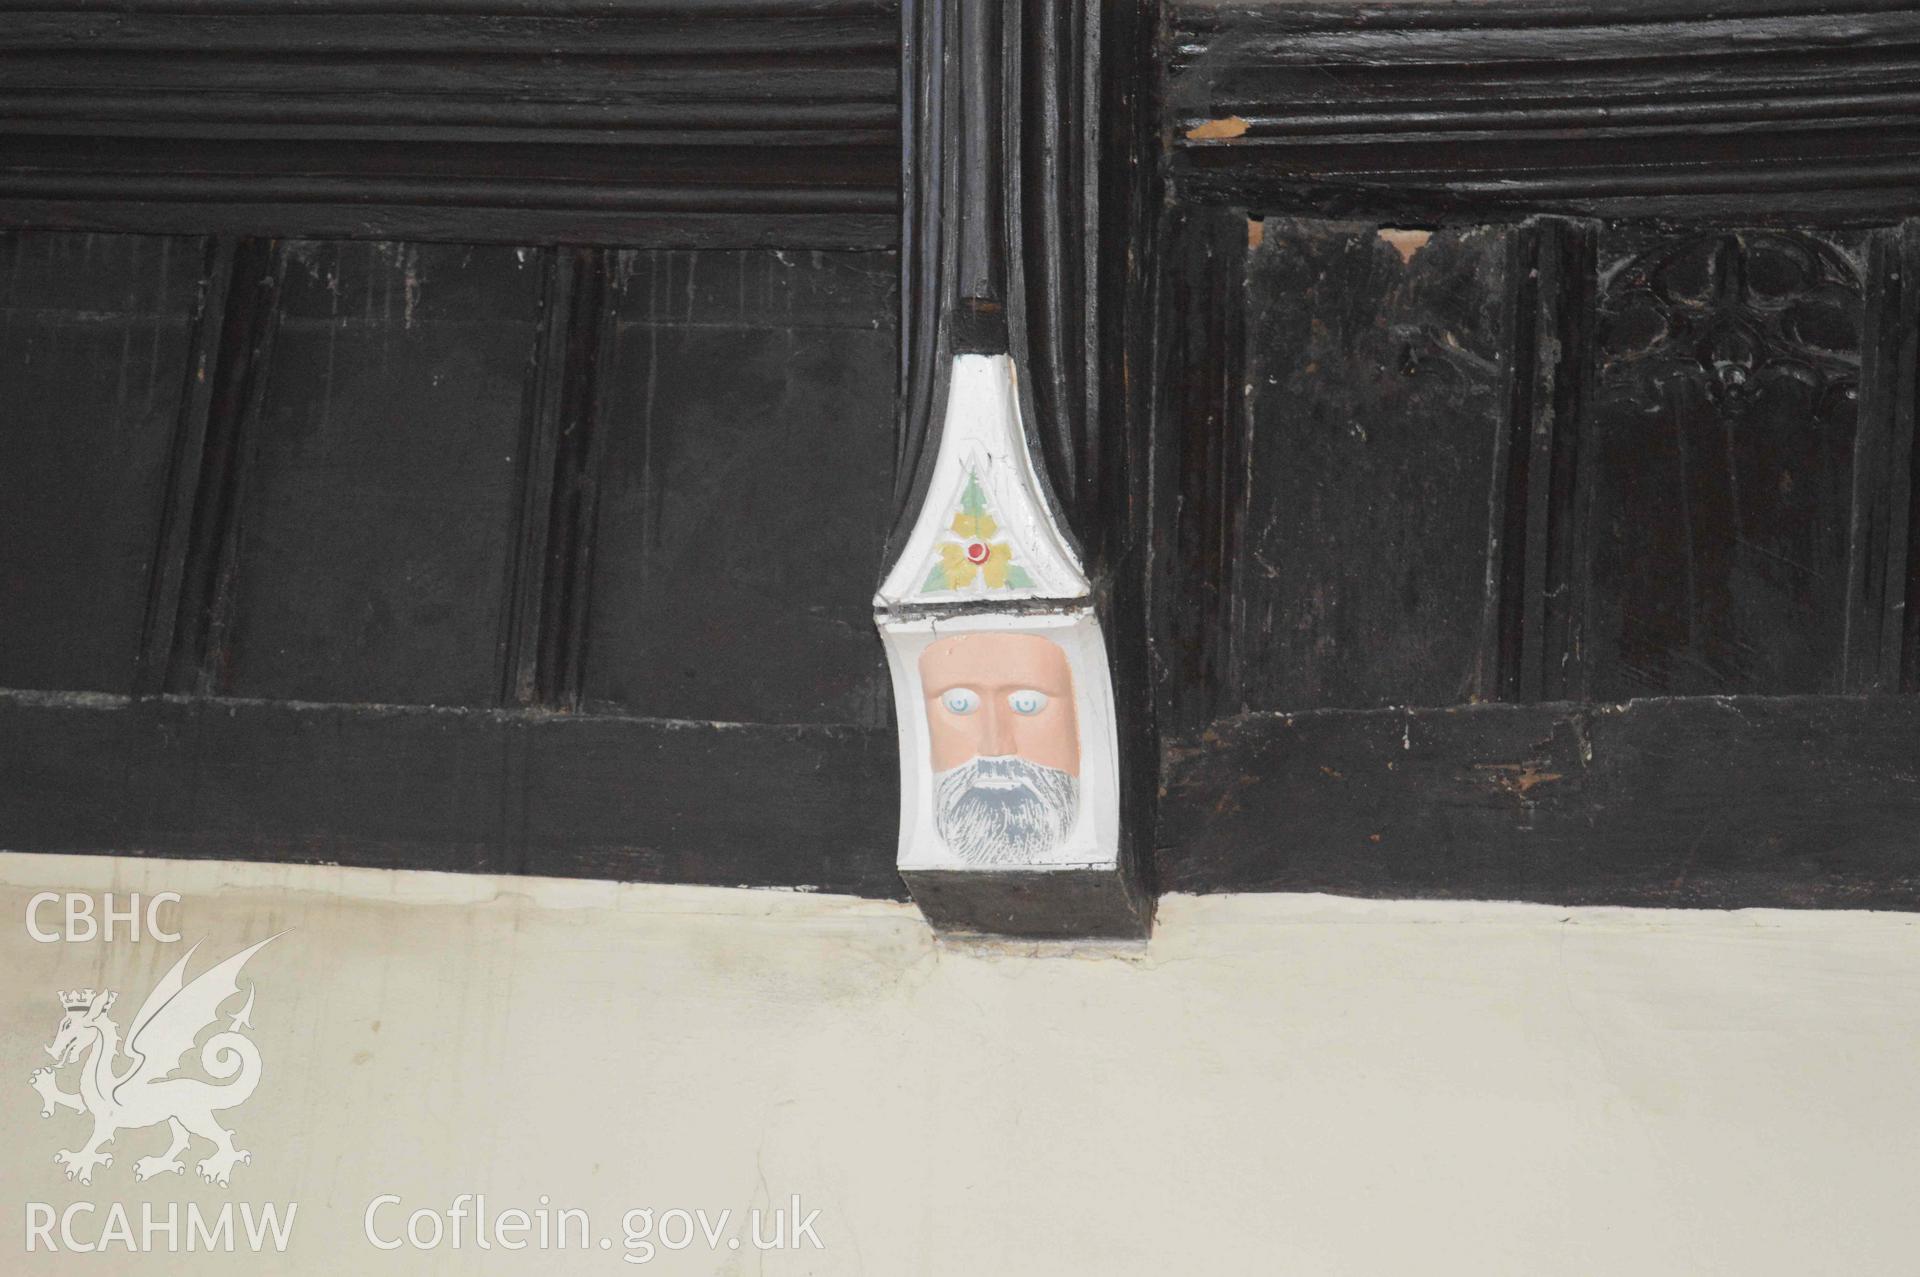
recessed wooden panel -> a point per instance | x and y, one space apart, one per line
1376 404
380 494
95 335
748 423
1728 389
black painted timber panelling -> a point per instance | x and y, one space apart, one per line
1554 460
1375 416
1724 422
384 455
1546 365
95 337
746 404
472 557
1648 484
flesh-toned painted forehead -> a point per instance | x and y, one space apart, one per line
996 660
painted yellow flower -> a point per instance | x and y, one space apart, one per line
976 554
960 563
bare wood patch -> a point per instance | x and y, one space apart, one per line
1222 130
1518 778
1404 241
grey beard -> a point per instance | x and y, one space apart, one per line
1021 813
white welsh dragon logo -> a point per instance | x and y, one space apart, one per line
144 1093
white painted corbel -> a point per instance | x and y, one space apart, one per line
983 445
1009 755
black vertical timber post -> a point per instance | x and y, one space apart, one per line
1878 545
1537 532
173 545
195 660
539 474
1028 187
1020 173
581 352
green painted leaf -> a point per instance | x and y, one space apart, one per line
1017 578
937 579
973 501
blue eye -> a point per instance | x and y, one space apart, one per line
960 700
1027 702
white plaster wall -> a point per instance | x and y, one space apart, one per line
1274 1084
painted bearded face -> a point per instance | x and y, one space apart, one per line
1005 745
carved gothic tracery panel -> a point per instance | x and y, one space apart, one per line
1728 389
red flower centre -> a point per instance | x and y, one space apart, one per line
976 552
